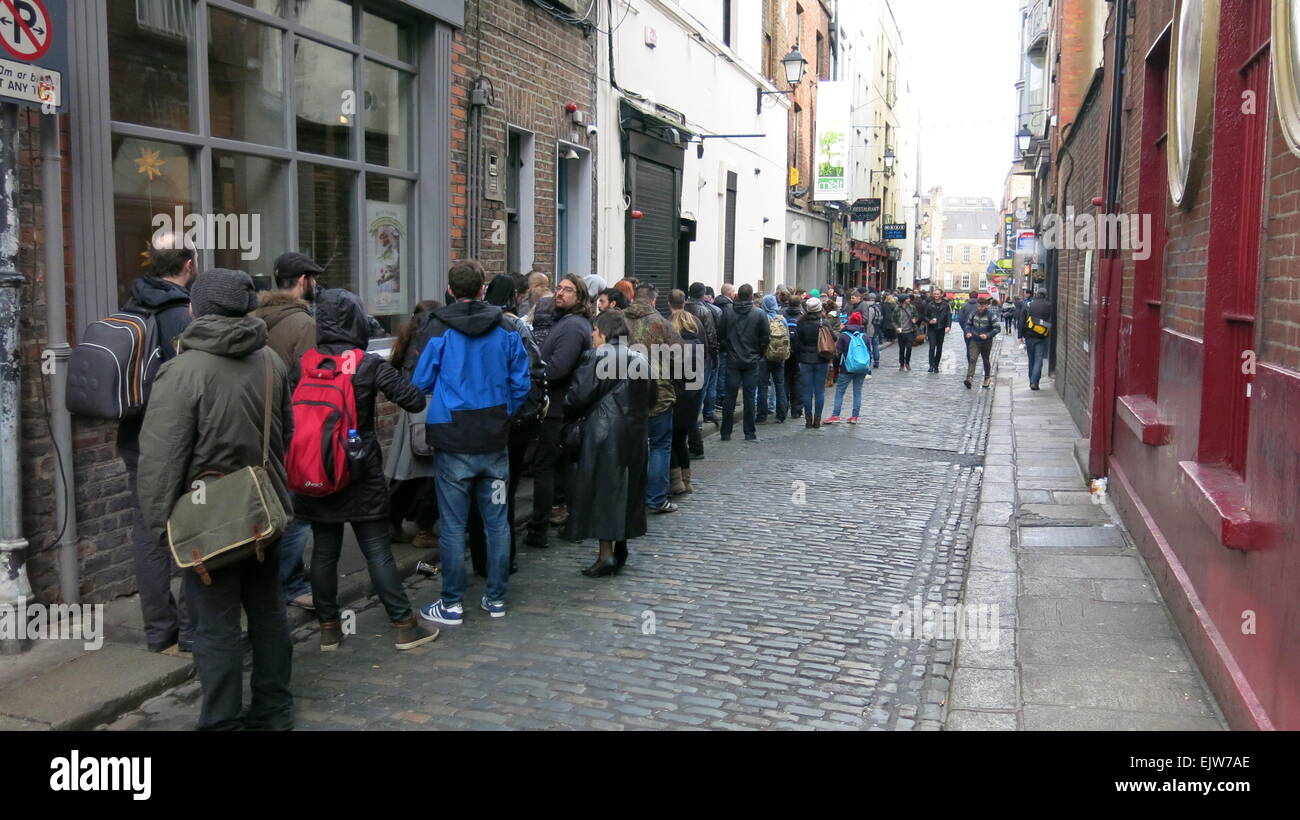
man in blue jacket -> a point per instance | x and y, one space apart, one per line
476 369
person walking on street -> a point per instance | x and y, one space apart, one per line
164 294
937 315
220 406
608 501
745 336
964 313
342 335
1036 330
981 327
291 332
653 336
813 363
476 368
854 355
907 326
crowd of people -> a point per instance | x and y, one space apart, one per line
599 393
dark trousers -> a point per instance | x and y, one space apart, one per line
684 414
793 386
936 336
372 537
414 499
905 348
547 473
166 619
738 379
771 376
254 587
976 350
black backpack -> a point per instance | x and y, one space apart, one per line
112 370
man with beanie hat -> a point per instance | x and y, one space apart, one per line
205 417
291 332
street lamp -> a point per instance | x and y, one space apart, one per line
889 160
1023 138
793 64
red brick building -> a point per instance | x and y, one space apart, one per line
1183 368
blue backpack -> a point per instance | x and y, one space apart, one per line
858 359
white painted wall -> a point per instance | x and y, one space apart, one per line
715 88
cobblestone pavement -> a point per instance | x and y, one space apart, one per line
764 603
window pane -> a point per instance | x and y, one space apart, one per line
327 101
388 116
276 7
149 61
332 17
325 230
389 251
252 190
149 179
245 79
386 37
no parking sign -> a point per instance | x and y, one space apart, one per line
34 52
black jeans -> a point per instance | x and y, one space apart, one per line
415 499
372 537
905 348
794 386
684 413
547 473
253 586
771 376
936 335
166 619
738 379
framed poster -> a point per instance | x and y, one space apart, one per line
387 290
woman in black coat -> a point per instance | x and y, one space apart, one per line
608 498
341 328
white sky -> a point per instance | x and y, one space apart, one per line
962 63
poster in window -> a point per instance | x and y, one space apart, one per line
384 274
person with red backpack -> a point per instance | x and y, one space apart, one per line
336 468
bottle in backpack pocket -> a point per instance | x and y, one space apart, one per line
321 458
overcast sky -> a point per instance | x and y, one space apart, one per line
961 61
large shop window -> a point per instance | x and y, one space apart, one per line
277 125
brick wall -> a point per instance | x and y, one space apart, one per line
815 20
536 65
1279 314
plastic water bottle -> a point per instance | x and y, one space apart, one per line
355 447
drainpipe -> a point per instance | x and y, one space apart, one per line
57 351
14 588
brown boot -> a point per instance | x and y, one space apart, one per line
807 421
411 634
686 482
677 488
817 423
331 635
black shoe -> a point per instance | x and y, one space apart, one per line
726 437
763 420
967 383
697 456
751 438
602 568
1033 387
620 553
536 539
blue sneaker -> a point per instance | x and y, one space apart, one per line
497 609
438 612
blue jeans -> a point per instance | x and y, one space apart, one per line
660 433
813 379
1036 348
842 384
746 380
293 576
874 345
487 476
771 389
711 387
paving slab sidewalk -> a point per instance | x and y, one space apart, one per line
1084 640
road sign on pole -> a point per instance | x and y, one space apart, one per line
34 53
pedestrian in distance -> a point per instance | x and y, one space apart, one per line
649 331
690 392
608 408
908 326
1036 329
771 374
220 406
744 336
980 329
937 315
814 360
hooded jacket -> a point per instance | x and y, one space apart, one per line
842 343
170 305
744 334
476 367
569 338
806 335
654 335
940 311
290 328
206 411
708 322
342 325
986 323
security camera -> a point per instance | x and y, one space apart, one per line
592 130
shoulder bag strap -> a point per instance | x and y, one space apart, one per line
266 408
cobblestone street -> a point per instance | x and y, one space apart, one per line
764 603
